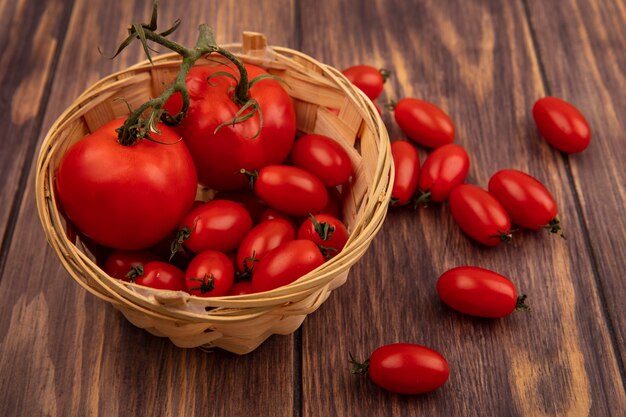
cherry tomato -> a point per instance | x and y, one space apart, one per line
326 231
285 264
253 204
264 237
210 274
271 214
291 190
405 368
445 168
215 225
562 124
241 288
480 215
219 156
120 263
126 197
528 202
368 79
424 123
159 275
479 292
406 162
322 157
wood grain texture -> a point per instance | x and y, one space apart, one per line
65 353
594 38
30 33
477 62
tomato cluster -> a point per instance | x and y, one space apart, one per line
137 200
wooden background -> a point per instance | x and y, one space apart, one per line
65 353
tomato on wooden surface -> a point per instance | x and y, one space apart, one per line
264 237
322 157
326 231
291 190
562 124
215 225
480 215
126 196
285 264
445 168
406 162
121 263
424 122
159 275
210 274
528 201
220 155
368 79
405 368
479 292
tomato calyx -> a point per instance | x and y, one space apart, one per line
327 251
135 271
359 368
520 304
505 236
247 270
385 73
390 105
177 244
324 230
207 283
554 226
252 176
422 200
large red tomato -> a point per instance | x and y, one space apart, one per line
126 197
220 156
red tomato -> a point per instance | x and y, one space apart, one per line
334 204
285 264
322 157
562 124
220 156
326 231
368 79
291 190
271 214
160 275
261 239
246 198
120 263
210 274
241 288
126 197
406 162
405 368
528 202
443 169
479 292
217 225
424 123
480 215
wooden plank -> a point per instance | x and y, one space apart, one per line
475 60
65 353
595 39
30 33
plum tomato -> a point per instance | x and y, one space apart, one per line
562 124
264 237
480 215
405 368
479 292
445 168
528 201
219 154
246 198
121 263
291 190
368 79
216 225
285 264
326 231
159 275
406 162
126 196
210 274
424 123
322 157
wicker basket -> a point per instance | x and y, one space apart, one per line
237 323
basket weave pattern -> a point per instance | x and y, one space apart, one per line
237 323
